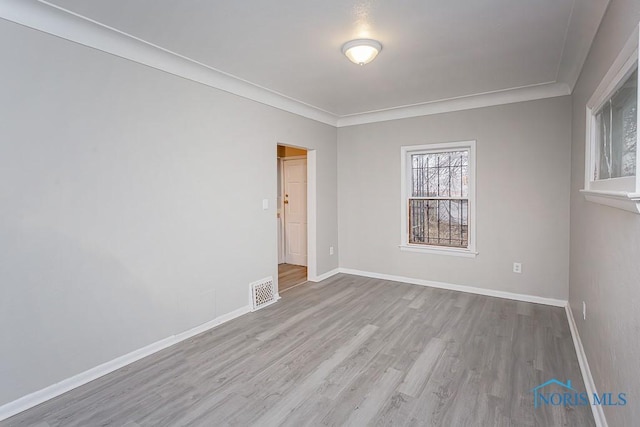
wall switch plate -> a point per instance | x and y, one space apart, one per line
330 250
265 204
584 310
517 267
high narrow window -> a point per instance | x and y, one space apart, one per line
438 198
611 160
616 132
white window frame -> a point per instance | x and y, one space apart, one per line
622 193
405 162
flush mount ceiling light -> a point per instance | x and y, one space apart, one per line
361 51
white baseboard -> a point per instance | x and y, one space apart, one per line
461 288
324 276
29 401
589 383
40 396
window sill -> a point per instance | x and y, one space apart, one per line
466 253
616 199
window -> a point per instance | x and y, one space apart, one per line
611 162
438 198
616 133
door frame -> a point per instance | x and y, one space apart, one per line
312 266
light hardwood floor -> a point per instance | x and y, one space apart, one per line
290 275
345 351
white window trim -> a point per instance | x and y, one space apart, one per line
405 153
622 193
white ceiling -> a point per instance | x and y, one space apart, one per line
432 49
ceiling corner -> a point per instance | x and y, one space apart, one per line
59 22
581 31
508 96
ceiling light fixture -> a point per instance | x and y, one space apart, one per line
361 51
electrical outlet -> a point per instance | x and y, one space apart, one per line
517 267
330 250
584 310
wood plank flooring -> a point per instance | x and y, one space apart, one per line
345 351
290 275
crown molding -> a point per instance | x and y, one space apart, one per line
489 99
51 19
582 27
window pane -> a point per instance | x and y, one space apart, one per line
440 174
439 222
616 133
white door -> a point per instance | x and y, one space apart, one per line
295 211
280 214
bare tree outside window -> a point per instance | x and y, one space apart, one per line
611 134
439 202
616 132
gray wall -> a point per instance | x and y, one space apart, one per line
130 205
605 244
522 197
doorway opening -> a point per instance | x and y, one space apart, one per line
292 217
